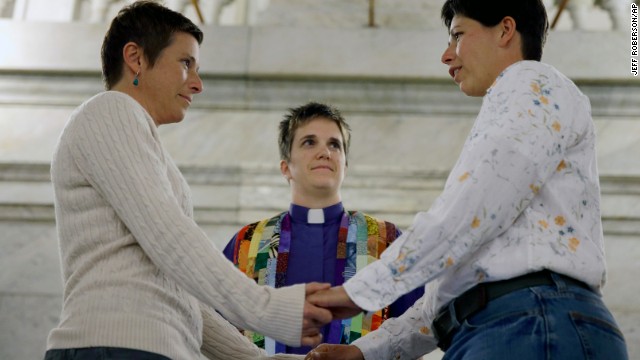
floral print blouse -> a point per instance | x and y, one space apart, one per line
523 196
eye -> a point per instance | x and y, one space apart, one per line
187 62
336 145
456 35
308 142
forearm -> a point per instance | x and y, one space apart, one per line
406 337
221 340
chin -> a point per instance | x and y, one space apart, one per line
472 92
325 185
176 119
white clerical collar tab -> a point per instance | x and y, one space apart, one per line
315 216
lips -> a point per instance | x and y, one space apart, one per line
322 167
186 98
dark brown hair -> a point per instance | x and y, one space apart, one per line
530 17
148 24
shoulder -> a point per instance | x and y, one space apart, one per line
369 217
383 228
534 85
243 238
531 76
529 69
246 232
110 101
112 107
243 230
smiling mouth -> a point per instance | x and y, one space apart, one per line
186 98
322 168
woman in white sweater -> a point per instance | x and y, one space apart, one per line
141 280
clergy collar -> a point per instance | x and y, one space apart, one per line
329 214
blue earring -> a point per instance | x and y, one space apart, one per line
135 80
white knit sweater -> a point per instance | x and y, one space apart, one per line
137 270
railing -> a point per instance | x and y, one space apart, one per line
579 14
98 11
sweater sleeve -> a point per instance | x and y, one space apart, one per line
222 341
114 144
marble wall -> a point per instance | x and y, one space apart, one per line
409 122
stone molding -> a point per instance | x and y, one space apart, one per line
309 53
236 195
350 95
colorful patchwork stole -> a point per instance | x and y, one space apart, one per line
262 252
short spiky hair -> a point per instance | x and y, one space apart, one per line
148 24
299 116
530 16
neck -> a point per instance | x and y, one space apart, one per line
124 87
316 202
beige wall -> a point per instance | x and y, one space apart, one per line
408 119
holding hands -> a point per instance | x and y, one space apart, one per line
324 303
314 317
336 300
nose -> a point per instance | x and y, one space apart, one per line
324 153
448 55
196 84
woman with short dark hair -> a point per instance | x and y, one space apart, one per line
141 279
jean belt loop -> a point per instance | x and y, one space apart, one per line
561 285
454 316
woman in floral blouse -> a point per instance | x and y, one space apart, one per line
512 251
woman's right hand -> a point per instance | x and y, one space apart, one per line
314 317
335 352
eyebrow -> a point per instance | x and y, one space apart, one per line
313 136
336 140
307 137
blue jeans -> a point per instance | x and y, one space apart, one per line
101 353
540 323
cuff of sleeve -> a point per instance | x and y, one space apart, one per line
374 287
283 320
375 345
395 339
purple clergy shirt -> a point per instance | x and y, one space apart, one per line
312 256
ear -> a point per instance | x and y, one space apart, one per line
508 32
284 170
132 55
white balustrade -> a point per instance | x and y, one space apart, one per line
580 12
618 11
405 14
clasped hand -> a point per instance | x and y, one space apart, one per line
323 304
